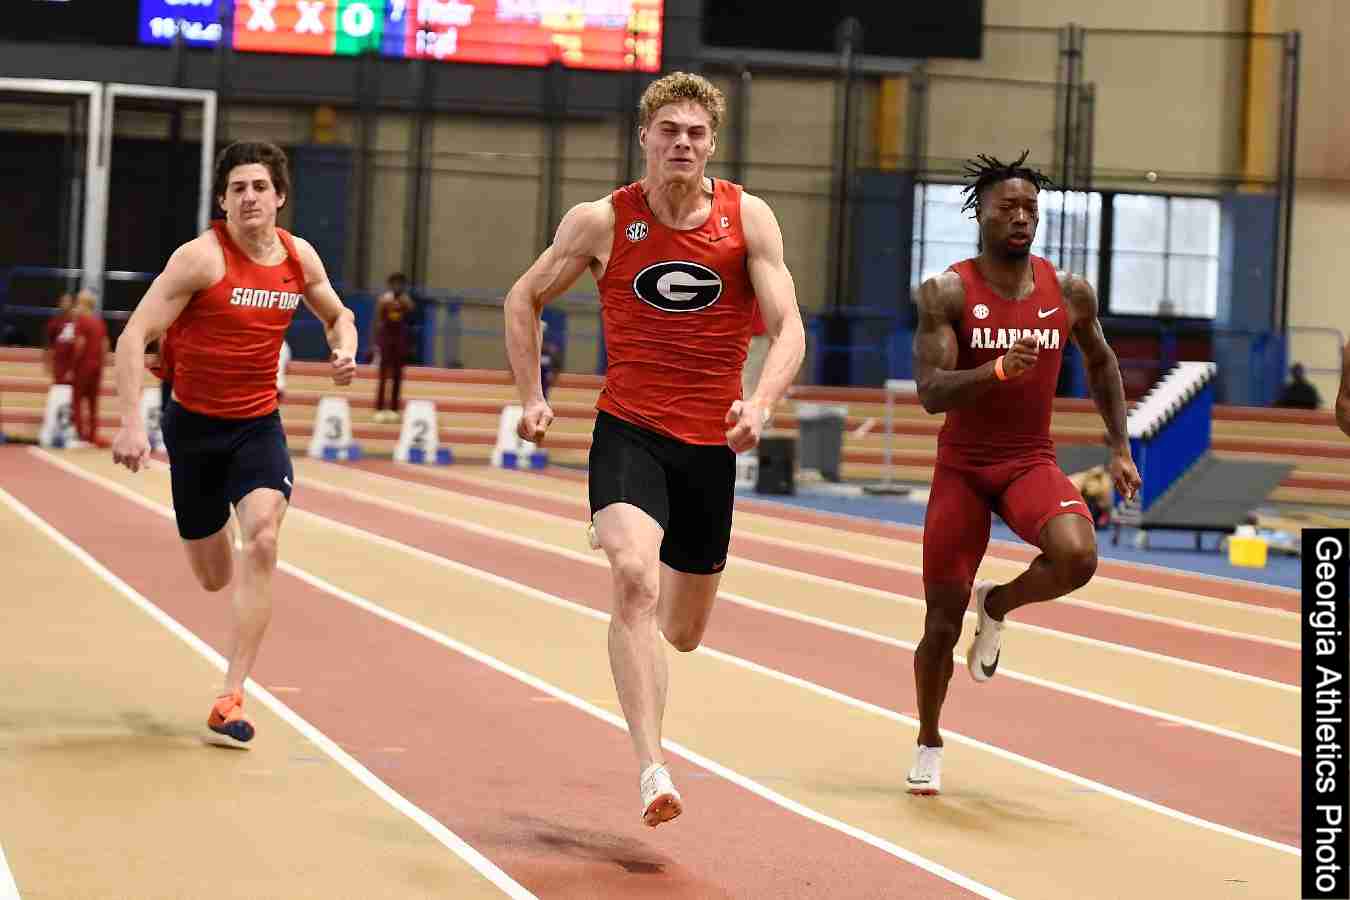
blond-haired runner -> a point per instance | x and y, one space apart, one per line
680 259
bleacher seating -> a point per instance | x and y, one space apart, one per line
469 402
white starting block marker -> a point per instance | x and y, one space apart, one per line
58 428
150 415
332 437
419 439
510 451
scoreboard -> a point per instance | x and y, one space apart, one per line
617 35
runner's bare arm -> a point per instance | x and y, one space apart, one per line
941 385
777 296
1104 382
1103 369
338 322
1343 396
582 236
191 268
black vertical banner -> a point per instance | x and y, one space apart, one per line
1325 736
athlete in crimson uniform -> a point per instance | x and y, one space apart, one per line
987 352
223 303
680 260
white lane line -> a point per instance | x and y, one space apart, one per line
1189 596
889 596
493 663
802 683
445 836
8 889
785 678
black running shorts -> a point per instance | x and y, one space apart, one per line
687 488
214 463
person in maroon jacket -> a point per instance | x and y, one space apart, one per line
59 356
392 339
91 349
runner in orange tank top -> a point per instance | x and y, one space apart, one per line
987 352
680 260
222 306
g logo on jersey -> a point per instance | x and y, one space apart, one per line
678 286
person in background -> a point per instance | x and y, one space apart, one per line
58 357
392 332
1299 393
91 350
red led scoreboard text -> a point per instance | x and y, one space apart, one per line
589 34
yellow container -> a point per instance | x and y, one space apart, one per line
1247 551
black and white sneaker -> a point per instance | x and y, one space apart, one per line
982 657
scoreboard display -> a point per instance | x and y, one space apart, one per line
616 35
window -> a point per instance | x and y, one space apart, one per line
943 234
1069 231
1067 234
1164 256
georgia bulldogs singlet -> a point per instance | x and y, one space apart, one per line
677 307
227 340
1012 417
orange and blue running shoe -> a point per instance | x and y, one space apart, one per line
227 718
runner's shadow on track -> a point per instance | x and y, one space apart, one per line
976 811
631 855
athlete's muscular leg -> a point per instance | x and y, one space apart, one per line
212 558
632 541
955 536
686 606
1068 560
933 664
260 514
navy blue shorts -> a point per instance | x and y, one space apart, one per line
688 489
215 463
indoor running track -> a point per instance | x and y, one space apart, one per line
436 716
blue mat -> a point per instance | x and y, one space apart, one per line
1170 549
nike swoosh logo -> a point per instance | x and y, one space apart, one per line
715 238
1069 502
287 280
990 669
1042 313
287 480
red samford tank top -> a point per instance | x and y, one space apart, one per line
677 307
1012 417
227 341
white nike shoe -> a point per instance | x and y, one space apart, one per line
660 801
982 657
925 779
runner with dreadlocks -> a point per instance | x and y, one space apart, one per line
987 352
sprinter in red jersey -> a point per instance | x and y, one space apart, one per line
680 260
223 304
987 352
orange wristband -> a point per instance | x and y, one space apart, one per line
998 370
